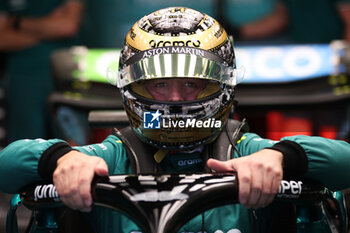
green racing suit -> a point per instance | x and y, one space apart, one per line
327 162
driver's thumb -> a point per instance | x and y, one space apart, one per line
220 166
101 168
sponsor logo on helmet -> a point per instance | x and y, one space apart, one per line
152 120
218 31
176 50
132 34
155 44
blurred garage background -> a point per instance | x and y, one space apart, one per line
296 59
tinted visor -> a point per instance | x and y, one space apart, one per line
184 89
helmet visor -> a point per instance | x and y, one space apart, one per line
175 89
166 63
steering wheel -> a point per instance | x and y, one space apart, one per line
164 203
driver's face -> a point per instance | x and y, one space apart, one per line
178 89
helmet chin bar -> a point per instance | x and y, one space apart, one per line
182 125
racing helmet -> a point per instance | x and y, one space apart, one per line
177 42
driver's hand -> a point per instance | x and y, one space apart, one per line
259 176
73 177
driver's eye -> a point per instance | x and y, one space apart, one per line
191 84
160 84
